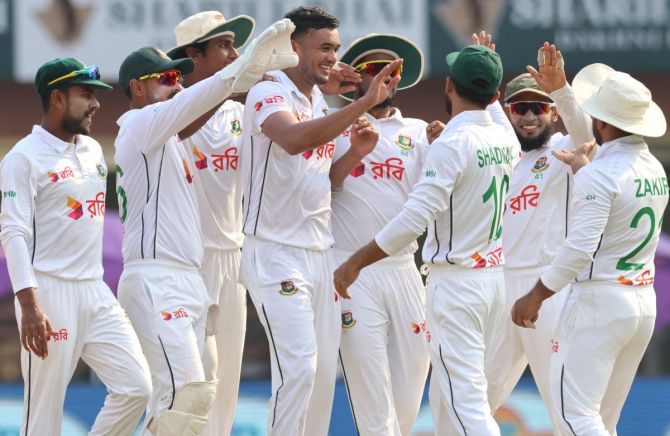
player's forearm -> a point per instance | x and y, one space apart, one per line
577 122
172 116
197 124
18 262
306 135
342 168
367 255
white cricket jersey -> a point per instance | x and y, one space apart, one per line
537 213
53 207
618 201
286 198
461 194
375 191
214 151
157 198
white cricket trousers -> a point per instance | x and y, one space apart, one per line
224 335
293 292
90 324
167 305
464 309
383 350
601 339
514 347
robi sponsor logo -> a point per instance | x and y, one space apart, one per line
60 335
179 313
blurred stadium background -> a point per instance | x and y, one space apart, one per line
629 35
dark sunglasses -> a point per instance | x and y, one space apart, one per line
91 72
167 78
372 68
537 107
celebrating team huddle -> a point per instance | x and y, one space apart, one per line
539 250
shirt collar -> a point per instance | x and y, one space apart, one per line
286 81
625 143
122 118
395 116
481 117
54 142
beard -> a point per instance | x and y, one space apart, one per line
596 134
75 125
530 144
447 104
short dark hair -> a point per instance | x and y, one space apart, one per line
472 96
46 100
311 18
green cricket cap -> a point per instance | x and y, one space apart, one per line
476 68
59 68
148 60
523 83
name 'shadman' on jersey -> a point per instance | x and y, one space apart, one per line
494 156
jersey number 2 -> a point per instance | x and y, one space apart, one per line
623 263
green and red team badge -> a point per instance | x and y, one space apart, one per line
348 320
236 127
404 142
288 288
102 171
540 165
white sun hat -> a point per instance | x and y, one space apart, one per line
618 99
207 25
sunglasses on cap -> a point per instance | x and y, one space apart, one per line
92 72
372 68
537 107
167 78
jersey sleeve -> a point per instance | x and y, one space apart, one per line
577 122
592 200
18 187
267 98
153 125
443 168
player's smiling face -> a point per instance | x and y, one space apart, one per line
317 50
532 130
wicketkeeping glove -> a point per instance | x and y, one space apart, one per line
271 50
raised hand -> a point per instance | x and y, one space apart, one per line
271 50
433 130
551 74
364 137
382 85
485 39
342 79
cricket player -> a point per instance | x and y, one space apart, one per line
53 185
211 42
536 218
383 350
161 286
608 256
287 263
460 199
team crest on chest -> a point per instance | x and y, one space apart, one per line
236 127
348 320
540 165
288 288
404 142
102 171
